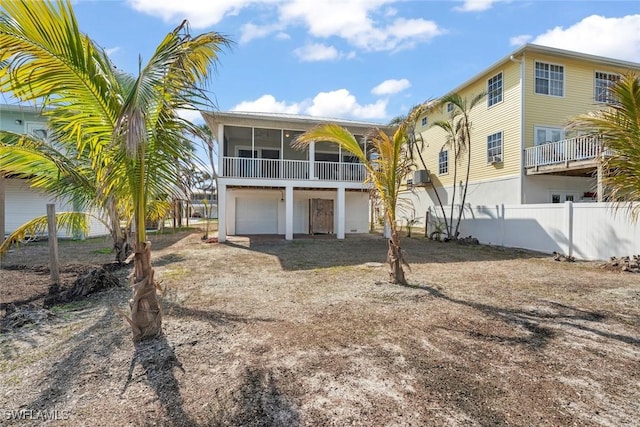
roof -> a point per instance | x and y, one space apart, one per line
236 116
551 51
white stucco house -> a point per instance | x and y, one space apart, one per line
267 187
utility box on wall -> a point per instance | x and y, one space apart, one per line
421 177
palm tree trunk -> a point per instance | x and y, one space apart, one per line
453 193
395 260
466 186
146 314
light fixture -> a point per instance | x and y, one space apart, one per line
18 121
287 135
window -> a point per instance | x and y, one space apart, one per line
424 121
603 84
494 90
494 147
443 162
449 107
549 79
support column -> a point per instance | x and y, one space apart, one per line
312 160
221 153
599 186
340 208
222 212
569 226
288 213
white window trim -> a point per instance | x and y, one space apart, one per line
501 145
594 83
564 78
447 109
560 128
502 90
447 172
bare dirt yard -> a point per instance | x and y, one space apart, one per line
264 332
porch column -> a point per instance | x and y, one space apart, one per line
288 213
340 208
222 212
312 160
221 153
599 186
2 204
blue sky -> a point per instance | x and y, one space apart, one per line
359 59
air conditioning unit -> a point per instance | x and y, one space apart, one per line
421 177
495 159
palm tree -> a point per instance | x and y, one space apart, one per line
619 127
458 130
128 126
386 167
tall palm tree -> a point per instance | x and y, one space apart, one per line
619 127
128 126
458 130
386 168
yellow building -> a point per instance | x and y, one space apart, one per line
521 149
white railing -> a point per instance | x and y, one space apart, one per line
565 151
240 167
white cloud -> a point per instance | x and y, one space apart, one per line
520 40
251 31
616 37
317 52
193 116
111 50
341 103
200 13
267 104
391 86
361 23
475 5
335 104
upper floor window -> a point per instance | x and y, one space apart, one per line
549 79
443 162
494 90
449 107
494 147
603 84
424 121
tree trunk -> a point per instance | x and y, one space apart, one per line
146 314
395 260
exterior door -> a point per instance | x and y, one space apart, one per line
320 216
549 153
246 166
256 215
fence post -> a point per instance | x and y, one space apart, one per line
503 225
53 244
426 224
569 225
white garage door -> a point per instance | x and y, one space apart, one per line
256 216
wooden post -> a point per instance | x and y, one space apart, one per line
2 204
53 244
426 224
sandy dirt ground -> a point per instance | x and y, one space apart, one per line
264 332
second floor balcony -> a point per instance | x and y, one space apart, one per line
573 153
241 167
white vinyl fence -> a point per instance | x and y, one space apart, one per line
588 231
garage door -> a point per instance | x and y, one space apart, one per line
256 216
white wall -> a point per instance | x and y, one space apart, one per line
23 203
590 231
538 188
356 208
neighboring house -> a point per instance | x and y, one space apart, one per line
267 187
18 202
521 149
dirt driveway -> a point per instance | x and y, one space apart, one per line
263 332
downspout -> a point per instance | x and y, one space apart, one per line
522 112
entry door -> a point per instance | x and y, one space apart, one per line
320 216
271 167
548 134
247 165
552 153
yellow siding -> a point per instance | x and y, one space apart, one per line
554 111
502 117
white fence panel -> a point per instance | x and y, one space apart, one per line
590 231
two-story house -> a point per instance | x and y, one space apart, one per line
267 187
522 151
19 202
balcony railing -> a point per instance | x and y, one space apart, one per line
565 151
240 167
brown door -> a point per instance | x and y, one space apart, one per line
320 216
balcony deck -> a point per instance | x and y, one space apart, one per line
241 167
570 156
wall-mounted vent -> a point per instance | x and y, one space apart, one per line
421 177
